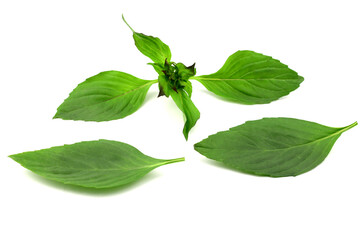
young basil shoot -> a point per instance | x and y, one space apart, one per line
247 77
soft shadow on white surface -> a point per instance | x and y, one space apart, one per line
151 95
93 191
207 92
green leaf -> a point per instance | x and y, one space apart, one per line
251 78
150 46
174 76
184 72
188 88
164 87
96 164
158 67
275 147
191 113
107 96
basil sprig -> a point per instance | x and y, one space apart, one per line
95 164
274 147
247 77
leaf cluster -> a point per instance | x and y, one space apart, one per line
274 147
246 77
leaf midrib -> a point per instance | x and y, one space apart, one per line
132 90
111 169
341 130
241 79
112 98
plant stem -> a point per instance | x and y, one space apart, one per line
127 23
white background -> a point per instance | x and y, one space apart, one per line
48 47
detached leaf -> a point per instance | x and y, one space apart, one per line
150 46
107 96
96 164
251 78
274 147
191 113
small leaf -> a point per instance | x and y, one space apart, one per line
150 46
188 88
159 68
185 72
274 147
164 87
107 96
96 164
191 113
251 78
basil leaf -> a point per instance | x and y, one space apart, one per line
274 147
164 87
158 67
96 164
150 46
184 72
107 96
188 88
191 113
251 78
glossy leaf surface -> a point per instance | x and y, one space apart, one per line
275 147
96 164
191 113
107 96
251 78
151 47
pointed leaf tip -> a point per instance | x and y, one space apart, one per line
123 18
191 113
